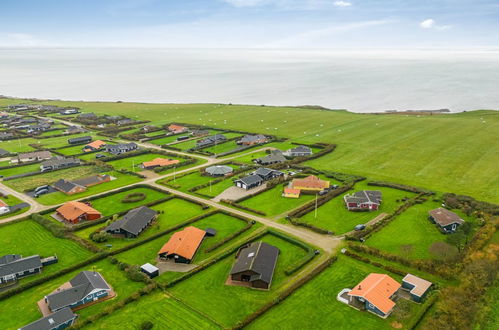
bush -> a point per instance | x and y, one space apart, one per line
146 325
134 197
99 236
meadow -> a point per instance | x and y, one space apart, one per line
415 150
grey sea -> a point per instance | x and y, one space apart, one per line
358 81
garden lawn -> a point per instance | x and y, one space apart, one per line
73 150
318 298
62 141
186 145
183 183
24 303
112 204
120 181
166 139
272 203
411 228
18 145
247 157
21 169
335 217
175 211
207 292
29 238
132 163
160 309
31 182
222 147
12 200
216 188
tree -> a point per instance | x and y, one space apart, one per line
458 239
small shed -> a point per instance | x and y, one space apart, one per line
219 170
150 270
210 232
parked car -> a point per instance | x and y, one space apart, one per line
360 227
44 187
40 192
100 156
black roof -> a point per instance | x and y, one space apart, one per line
258 257
134 220
64 185
263 171
364 196
80 139
20 265
251 179
61 161
52 321
9 258
81 285
91 180
4 152
251 138
274 157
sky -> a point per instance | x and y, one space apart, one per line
281 24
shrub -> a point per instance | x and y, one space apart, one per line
146 325
99 236
134 197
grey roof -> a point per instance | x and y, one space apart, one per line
134 221
35 154
251 179
275 156
252 138
9 258
20 206
61 161
81 285
52 321
87 115
149 268
364 196
445 217
219 170
91 180
211 139
4 152
263 171
64 185
80 139
259 257
20 265
121 147
300 149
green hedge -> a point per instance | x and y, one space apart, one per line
229 238
399 186
239 206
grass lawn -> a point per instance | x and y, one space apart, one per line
272 203
187 181
24 303
248 158
120 181
62 141
166 139
217 188
31 182
73 150
19 145
132 163
21 169
318 299
160 309
185 145
207 292
12 200
422 232
113 204
175 211
222 147
334 216
28 238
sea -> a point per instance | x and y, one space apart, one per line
359 81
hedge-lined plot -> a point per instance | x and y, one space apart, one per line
132 163
21 169
113 203
207 292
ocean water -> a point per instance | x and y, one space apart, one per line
357 81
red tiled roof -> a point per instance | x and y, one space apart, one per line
174 128
311 182
97 144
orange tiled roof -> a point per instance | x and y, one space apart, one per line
184 243
174 127
2 203
160 162
377 289
73 210
291 191
311 182
97 144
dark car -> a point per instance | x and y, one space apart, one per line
100 156
44 187
360 227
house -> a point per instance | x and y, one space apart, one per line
80 140
75 130
4 208
176 129
74 212
255 265
61 319
219 170
250 140
267 173
68 112
249 182
310 183
364 200
210 140
86 287
200 132
58 162
6 136
148 128
93 180
31 157
182 246
300 151
418 288
87 116
133 223
150 270
376 292
68 187
158 162
126 121
94 146
120 148
3 152
38 128
291 193
274 157
14 267
446 220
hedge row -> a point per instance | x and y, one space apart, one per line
374 263
416 319
203 206
239 206
319 230
286 293
204 185
229 238
55 229
401 187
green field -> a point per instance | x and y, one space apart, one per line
160 309
166 139
175 211
19 145
272 203
222 147
29 238
413 150
24 303
187 181
421 232
216 188
335 217
20 169
317 299
207 292
113 204
132 163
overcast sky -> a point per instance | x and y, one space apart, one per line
303 24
